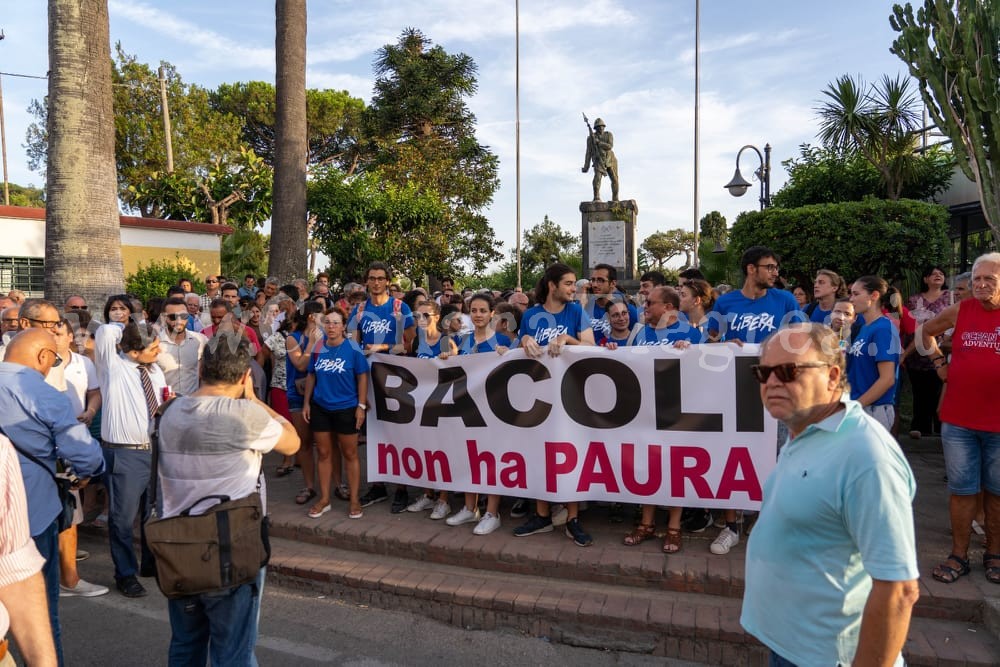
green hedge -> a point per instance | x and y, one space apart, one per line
892 239
155 278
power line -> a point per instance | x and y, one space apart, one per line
23 76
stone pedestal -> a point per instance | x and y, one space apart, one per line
609 237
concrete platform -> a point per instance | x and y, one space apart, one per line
684 605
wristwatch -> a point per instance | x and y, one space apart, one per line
363 406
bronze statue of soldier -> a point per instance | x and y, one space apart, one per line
600 153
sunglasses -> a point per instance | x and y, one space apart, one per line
173 317
784 372
55 354
422 316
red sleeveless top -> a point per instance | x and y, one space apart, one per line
974 372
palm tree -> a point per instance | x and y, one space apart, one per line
879 122
289 224
82 237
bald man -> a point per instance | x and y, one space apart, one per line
36 416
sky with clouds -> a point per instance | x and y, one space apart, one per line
630 62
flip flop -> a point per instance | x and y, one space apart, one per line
304 496
282 471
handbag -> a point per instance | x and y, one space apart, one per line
224 547
64 487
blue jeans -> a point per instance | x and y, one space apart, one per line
776 660
126 478
222 624
971 459
47 543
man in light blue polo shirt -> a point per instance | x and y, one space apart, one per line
831 568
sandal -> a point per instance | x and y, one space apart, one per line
672 542
356 513
641 533
992 564
342 492
304 496
282 471
947 574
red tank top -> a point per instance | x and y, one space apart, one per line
970 398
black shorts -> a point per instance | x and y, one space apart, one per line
341 422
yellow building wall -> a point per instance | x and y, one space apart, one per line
207 261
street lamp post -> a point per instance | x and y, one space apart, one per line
739 185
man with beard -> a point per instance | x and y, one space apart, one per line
749 315
555 322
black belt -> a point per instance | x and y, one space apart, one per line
123 445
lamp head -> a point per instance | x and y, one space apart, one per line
739 185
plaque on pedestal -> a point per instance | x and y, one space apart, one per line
609 236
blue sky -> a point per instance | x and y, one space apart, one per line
630 62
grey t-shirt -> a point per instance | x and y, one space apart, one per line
212 445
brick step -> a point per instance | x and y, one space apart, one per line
684 625
693 570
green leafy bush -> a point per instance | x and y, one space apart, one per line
873 236
159 275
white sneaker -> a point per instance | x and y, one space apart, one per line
726 540
83 589
559 515
421 504
464 515
441 510
487 524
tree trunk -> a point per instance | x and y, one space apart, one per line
82 238
289 225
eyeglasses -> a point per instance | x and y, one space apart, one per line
211 282
55 354
173 317
77 308
45 324
772 268
784 372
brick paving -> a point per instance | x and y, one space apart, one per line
684 605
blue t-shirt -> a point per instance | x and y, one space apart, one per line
679 330
545 327
336 370
424 349
753 320
821 316
291 372
468 345
379 324
598 320
837 513
875 342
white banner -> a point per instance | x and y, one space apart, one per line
635 425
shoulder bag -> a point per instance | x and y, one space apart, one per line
224 547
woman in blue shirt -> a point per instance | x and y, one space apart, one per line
336 389
873 356
482 338
305 335
430 343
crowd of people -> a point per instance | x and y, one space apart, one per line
294 358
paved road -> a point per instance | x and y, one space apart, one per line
299 628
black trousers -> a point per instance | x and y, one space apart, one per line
926 394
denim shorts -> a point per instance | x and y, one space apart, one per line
971 459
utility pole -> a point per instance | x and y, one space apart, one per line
166 120
517 128
3 143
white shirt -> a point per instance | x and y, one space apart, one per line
124 417
75 377
180 362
